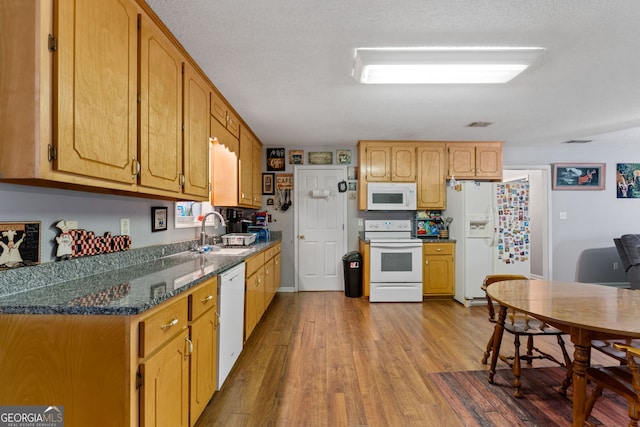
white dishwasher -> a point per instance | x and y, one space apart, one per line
231 327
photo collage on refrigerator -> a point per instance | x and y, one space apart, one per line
513 222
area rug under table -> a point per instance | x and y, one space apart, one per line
479 403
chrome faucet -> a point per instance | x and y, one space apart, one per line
203 234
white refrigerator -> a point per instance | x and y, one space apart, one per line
491 227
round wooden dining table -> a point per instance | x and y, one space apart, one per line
585 311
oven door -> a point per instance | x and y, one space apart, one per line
396 261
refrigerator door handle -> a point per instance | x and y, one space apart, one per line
494 221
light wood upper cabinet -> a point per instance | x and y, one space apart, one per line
95 66
196 134
246 167
221 111
160 109
389 161
250 169
225 158
256 153
469 160
101 97
431 176
403 163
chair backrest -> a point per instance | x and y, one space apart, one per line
493 278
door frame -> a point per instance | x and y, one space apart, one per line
296 213
547 244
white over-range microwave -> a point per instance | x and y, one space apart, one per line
388 196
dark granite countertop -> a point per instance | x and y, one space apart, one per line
129 290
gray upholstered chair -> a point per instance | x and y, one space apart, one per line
628 247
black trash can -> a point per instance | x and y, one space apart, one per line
352 266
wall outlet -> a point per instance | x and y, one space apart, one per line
72 225
124 227
563 215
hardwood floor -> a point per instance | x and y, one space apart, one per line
322 359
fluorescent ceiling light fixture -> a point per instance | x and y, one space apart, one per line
442 65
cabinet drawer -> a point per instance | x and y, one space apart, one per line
271 251
203 298
163 325
438 249
254 263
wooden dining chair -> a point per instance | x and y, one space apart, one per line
623 380
608 347
521 325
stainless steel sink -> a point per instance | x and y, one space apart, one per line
229 251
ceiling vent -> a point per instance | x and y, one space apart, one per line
578 141
479 124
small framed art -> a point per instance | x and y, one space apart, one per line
19 244
267 184
158 219
578 176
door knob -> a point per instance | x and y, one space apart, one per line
301 236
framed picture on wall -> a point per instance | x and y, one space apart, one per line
578 176
19 244
158 219
268 188
627 179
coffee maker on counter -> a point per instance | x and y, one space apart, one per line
235 222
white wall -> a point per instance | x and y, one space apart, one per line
594 218
99 213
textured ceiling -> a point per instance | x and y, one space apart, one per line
285 66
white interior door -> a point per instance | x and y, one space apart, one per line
320 228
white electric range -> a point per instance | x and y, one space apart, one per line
395 261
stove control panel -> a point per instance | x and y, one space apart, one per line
387 225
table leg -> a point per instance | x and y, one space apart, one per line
497 339
581 355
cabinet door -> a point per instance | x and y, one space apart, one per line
403 163
277 277
462 160
269 282
256 186
378 167
95 70
250 305
246 167
164 395
489 161
203 372
438 269
431 176
225 157
196 134
160 109
223 114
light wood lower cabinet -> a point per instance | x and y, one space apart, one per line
364 249
154 369
262 283
438 269
164 395
203 373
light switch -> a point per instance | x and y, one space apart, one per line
124 227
